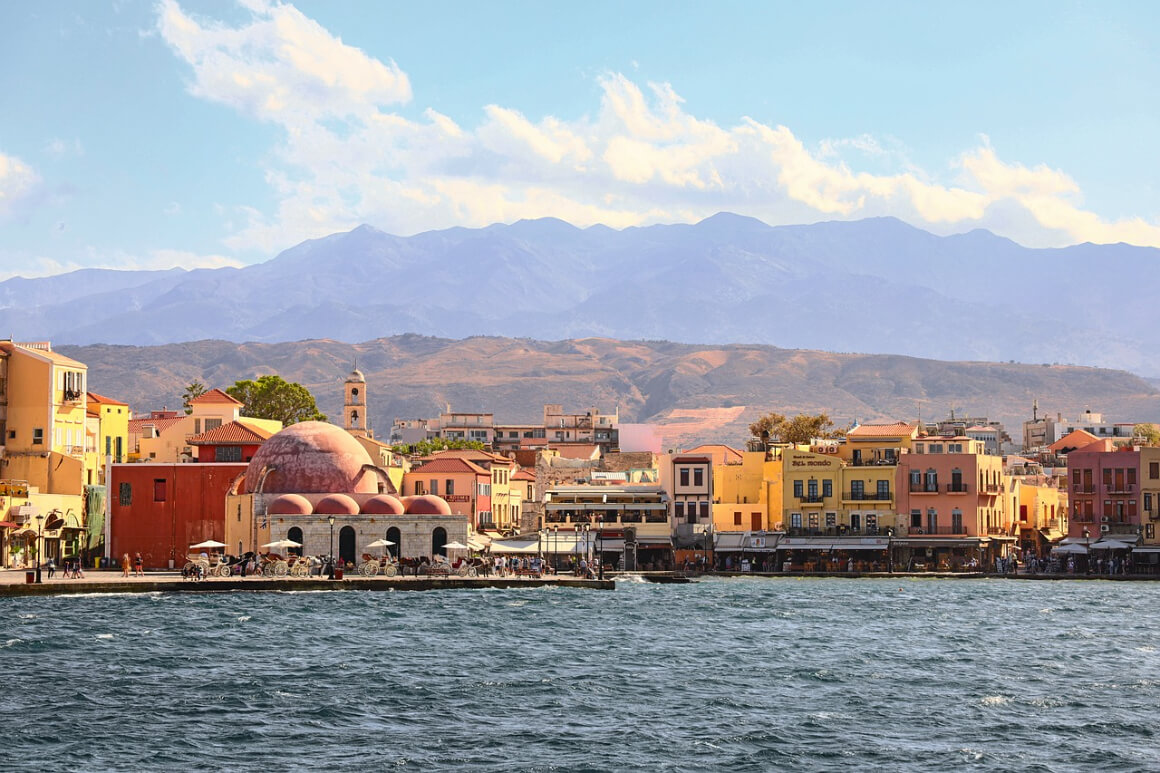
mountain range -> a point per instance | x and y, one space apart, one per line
695 393
870 286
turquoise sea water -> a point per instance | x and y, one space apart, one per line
730 674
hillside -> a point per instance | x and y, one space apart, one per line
699 393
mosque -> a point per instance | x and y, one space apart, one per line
316 484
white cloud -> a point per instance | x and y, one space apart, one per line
58 147
34 265
642 157
17 182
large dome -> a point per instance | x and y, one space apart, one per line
311 457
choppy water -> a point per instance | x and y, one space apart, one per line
742 674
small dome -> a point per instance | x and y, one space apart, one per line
383 504
428 504
356 375
336 504
407 502
311 457
290 504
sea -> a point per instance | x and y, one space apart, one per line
734 674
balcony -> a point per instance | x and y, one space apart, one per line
1084 490
1125 489
837 531
948 531
887 462
867 496
956 488
811 499
924 488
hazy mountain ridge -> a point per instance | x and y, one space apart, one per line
700 393
875 285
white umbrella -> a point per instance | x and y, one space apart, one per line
283 543
381 543
209 543
456 546
1111 545
1072 549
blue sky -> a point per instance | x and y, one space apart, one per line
155 134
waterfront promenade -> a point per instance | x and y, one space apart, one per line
13 582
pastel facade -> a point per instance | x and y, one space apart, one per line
1114 494
747 491
163 436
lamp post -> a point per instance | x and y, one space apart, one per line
39 544
555 548
330 556
600 546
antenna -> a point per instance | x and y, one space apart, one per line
1035 409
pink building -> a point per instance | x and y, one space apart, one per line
1113 494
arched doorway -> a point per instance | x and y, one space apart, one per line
346 544
295 535
395 536
438 540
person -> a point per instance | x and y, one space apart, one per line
138 566
78 570
126 564
51 567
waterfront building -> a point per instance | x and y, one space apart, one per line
951 503
1038 501
313 483
497 502
463 484
747 488
108 425
628 523
1114 494
160 509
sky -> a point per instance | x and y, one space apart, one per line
190 133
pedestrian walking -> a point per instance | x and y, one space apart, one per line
126 565
138 566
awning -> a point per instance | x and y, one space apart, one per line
1051 535
1145 550
1111 545
22 511
609 545
730 540
1072 549
522 546
862 544
938 542
9 525
806 543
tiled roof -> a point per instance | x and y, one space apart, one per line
136 426
897 429
232 434
214 396
468 453
452 464
102 400
523 474
728 454
1075 439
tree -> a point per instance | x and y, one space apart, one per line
433 445
272 397
194 390
776 428
1147 434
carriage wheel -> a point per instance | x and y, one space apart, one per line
462 571
390 570
472 571
300 569
224 570
369 568
281 569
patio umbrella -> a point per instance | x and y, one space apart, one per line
456 546
283 543
1072 549
381 543
209 543
1111 545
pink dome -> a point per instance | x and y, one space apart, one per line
290 504
383 504
336 504
428 505
311 457
407 502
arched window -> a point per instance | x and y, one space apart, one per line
438 540
295 535
395 536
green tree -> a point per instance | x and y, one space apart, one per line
434 445
1147 434
194 390
272 397
776 428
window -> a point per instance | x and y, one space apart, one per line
884 489
159 489
197 426
125 494
813 490
736 517
932 521
916 480
37 436
855 522
435 487
1108 477
1075 477
857 489
797 489
871 523
916 519
684 476
827 488
957 521
449 487
831 520
419 490
228 454
795 520
108 445
931 480
679 509
698 476
813 520
1131 476
1148 502
1154 470
704 509
936 448
212 424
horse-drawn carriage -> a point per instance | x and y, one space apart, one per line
371 566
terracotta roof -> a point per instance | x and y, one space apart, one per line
522 474
1075 439
214 396
102 400
136 426
468 453
897 429
234 433
450 465
727 454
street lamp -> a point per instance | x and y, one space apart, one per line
555 548
39 544
330 557
600 546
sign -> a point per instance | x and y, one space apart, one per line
457 498
621 476
757 542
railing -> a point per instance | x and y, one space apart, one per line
956 488
1122 489
810 498
924 488
938 531
867 496
1085 490
836 531
873 462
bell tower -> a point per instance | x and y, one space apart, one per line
354 404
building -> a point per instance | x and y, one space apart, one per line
1114 494
497 502
558 430
314 484
236 441
747 490
628 524
1046 430
109 426
164 436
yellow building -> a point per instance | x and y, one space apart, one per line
108 433
811 488
747 491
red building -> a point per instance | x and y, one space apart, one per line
159 510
